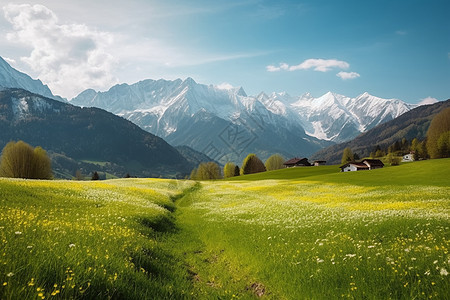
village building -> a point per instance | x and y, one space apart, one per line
319 163
408 157
366 164
297 162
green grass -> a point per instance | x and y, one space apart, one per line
90 240
301 233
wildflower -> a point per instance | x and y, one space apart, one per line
350 255
71 245
443 272
18 232
10 274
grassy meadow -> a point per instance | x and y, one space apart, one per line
301 233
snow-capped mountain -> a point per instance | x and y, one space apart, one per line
335 117
213 119
11 78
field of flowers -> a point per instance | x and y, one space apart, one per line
303 233
90 240
386 237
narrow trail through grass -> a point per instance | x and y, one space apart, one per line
305 233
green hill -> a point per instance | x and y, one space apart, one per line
300 233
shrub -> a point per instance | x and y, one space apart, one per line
274 162
252 164
206 171
229 170
20 160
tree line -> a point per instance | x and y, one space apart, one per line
250 165
435 145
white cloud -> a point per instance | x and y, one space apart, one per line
283 66
347 75
321 65
428 100
317 64
225 86
67 57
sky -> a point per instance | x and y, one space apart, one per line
390 49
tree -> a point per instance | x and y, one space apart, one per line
207 171
392 159
274 162
228 170
237 171
380 153
443 144
79 175
42 166
438 126
252 164
193 175
20 160
415 147
347 156
95 176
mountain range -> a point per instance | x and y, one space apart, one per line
90 139
410 125
222 122
227 124
11 78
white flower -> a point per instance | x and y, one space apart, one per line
443 272
18 232
10 274
71 245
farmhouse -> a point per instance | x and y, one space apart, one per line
319 163
297 162
366 164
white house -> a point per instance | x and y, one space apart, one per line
408 157
366 164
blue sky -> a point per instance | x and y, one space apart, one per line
391 49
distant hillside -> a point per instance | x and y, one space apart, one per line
412 124
90 136
193 156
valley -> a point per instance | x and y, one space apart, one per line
385 236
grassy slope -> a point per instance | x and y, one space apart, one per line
91 240
288 234
314 233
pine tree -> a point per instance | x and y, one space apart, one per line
347 156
